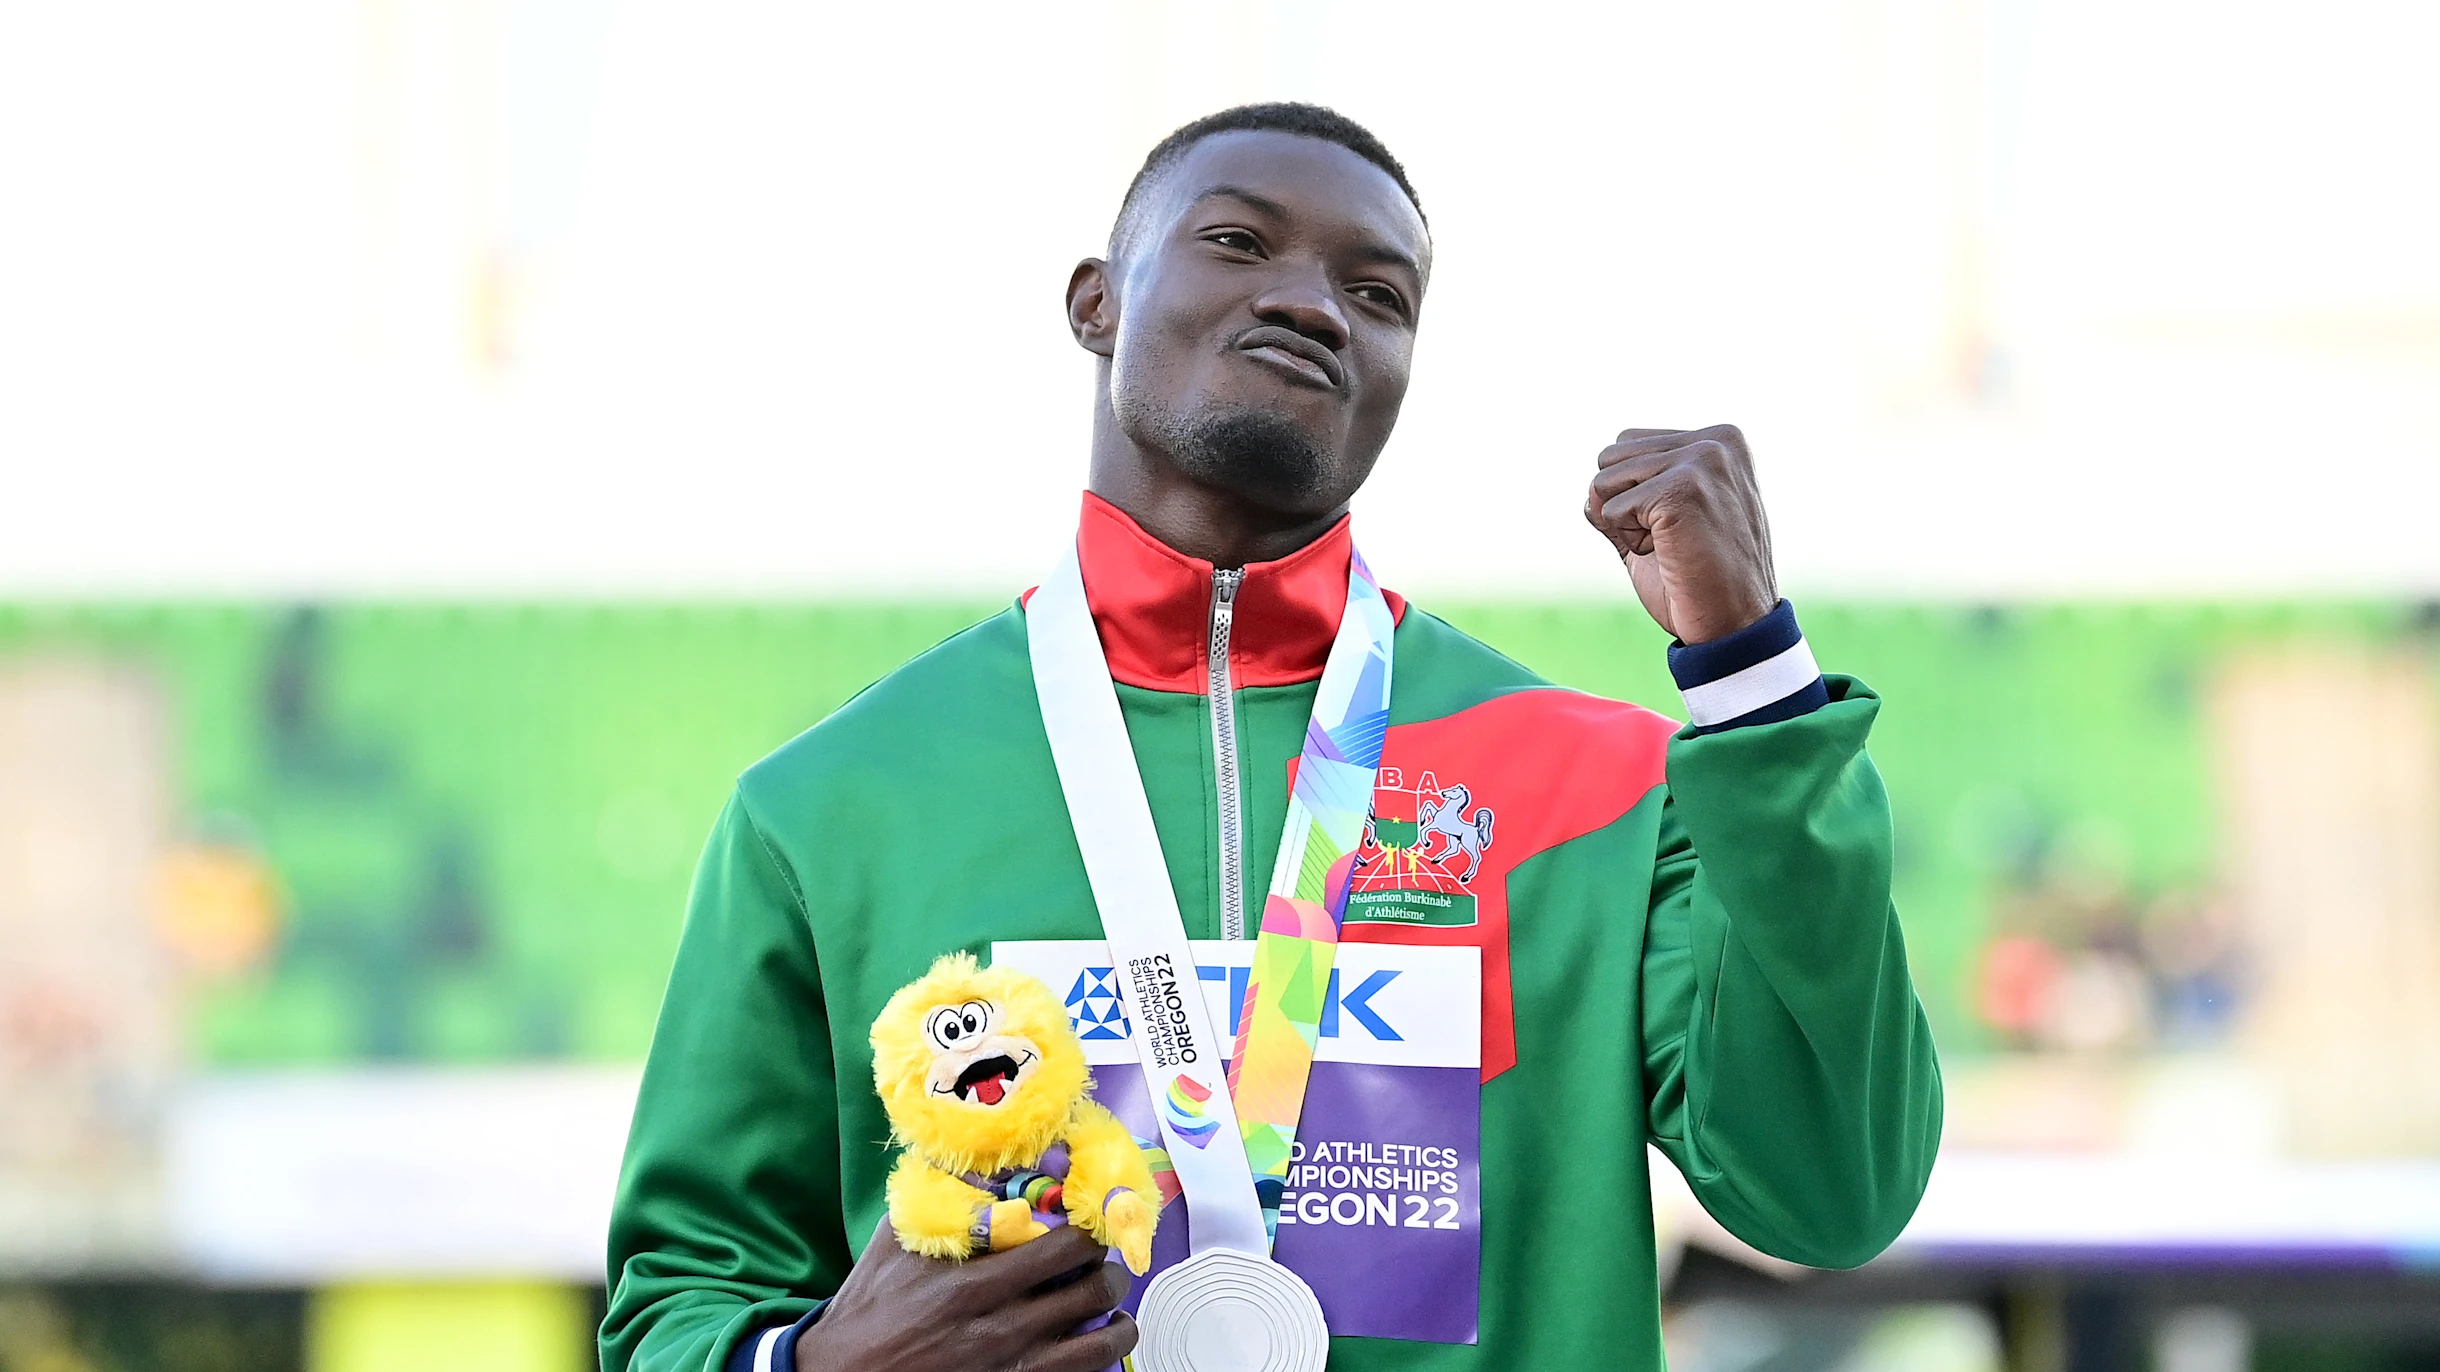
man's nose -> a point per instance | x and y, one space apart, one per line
1305 302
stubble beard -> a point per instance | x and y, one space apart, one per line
1258 454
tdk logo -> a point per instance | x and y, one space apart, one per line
1093 1003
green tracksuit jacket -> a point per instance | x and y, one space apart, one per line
1686 934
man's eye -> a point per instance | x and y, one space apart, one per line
1237 239
1383 296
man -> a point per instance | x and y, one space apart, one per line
1685 934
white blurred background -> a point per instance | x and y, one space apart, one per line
542 296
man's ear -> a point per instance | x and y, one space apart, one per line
1093 307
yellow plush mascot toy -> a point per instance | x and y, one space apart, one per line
985 1085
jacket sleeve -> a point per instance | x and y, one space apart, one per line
1788 1066
727 1219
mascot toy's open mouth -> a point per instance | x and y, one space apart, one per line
987 1081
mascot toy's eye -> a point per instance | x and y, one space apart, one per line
952 1027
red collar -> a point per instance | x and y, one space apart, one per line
1153 605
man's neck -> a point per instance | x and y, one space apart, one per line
1220 527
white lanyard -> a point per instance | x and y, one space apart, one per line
1154 967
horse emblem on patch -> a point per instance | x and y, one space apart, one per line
1422 847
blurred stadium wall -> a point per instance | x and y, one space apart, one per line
445 442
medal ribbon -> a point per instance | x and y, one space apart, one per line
1298 943
1151 962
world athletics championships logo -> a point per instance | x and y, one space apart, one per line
1184 1108
1093 1005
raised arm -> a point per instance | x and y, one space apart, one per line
1788 1068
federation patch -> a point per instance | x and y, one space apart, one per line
1422 849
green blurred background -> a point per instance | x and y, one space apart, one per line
482 819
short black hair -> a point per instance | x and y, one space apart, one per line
1280 116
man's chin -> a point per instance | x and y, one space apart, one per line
1262 456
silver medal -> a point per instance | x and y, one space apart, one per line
1226 1311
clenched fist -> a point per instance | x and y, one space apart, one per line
1684 513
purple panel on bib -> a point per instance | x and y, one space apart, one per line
1382 1214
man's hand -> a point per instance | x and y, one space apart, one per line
1684 513
898 1312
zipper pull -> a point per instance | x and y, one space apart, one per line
1225 582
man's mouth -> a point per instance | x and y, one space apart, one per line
986 1080
1292 352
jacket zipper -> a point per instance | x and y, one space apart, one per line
1224 755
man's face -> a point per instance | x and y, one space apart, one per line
1267 294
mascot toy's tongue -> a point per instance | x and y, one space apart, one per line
986 1089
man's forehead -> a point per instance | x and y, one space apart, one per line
1304 177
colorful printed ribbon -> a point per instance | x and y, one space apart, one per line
1298 942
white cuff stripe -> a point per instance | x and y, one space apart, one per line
762 1353
1743 692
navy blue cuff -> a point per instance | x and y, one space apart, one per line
748 1355
1761 674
